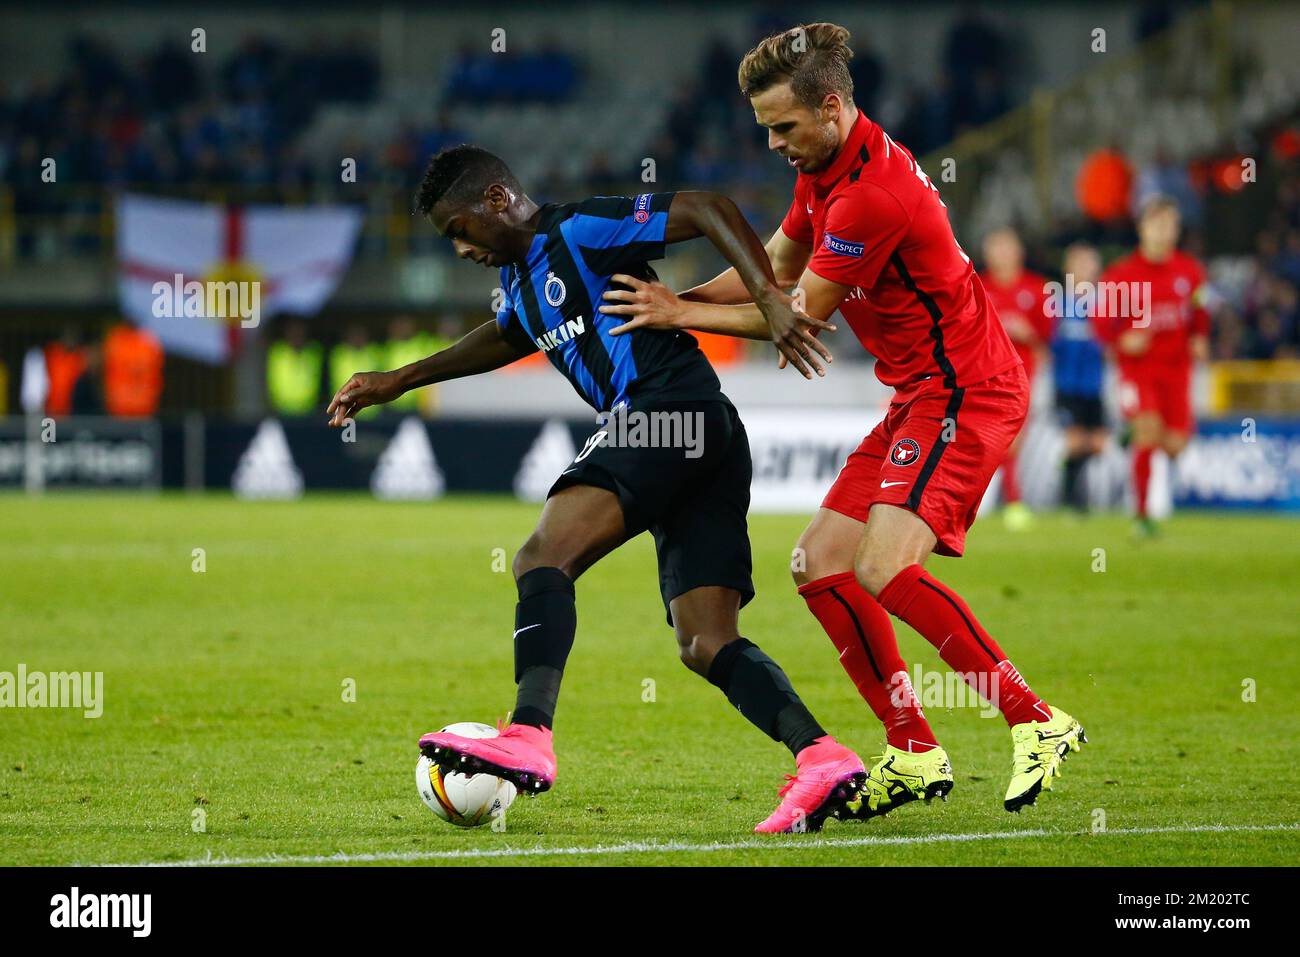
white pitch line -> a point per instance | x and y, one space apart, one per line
674 847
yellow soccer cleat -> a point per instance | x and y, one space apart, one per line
1040 747
898 778
1017 517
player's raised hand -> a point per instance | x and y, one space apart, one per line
794 333
361 391
651 305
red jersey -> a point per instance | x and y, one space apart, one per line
1026 298
1164 298
63 366
877 225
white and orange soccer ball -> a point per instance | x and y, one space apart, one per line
466 800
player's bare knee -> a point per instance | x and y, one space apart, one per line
697 651
692 653
524 560
877 567
1146 430
799 565
812 559
687 651
875 575
535 553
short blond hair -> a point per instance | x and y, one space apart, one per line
813 58
1157 203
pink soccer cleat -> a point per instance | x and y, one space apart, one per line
520 754
828 776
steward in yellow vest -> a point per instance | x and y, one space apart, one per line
356 353
293 372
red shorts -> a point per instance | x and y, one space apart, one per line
935 454
1165 390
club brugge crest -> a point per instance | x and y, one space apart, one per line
904 452
555 290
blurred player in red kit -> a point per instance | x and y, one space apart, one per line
868 235
1150 315
1020 296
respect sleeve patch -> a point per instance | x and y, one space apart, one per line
843 247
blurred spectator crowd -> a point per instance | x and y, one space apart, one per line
1260 316
162 122
546 75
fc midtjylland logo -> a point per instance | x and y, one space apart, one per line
904 452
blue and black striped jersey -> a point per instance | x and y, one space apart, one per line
553 299
1078 364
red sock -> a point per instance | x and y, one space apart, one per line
945 621
864 636
1010 481
1142 477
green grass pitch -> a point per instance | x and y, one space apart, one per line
224 692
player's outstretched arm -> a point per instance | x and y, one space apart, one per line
698 213
773 315
820 298
486 348
788 259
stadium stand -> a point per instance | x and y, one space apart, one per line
265 117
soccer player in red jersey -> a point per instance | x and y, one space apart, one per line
1019 296
868 235
1150 315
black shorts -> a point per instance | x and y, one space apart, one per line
686 484
1080 412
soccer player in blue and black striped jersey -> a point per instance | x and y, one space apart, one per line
1078 370
671 456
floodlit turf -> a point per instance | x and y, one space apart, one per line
224 692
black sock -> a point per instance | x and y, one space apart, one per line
1074 494
545 623
760 690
